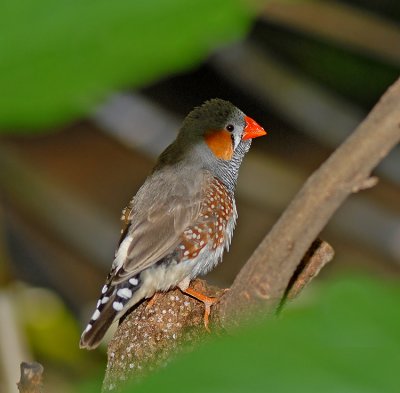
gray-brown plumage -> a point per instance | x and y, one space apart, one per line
182 218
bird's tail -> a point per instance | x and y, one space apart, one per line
111 305
96 329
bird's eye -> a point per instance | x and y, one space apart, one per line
230 127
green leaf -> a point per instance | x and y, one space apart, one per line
59 58
346 341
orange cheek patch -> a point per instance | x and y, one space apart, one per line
220 143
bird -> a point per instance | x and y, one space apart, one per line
182 218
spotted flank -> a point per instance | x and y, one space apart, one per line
112 301
216 214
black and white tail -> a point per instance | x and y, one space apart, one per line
112 304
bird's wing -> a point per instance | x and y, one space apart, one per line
161 211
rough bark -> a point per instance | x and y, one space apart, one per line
150 335
31 378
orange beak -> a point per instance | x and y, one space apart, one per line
252 129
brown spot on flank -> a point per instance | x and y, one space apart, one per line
211 227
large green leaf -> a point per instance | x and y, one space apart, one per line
58 58
346 341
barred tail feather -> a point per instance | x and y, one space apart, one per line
95 330
111 306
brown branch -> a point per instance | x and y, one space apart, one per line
31 378
147 338
263 280
317 256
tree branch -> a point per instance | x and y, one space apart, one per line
31 378
151 335
263 280
317 256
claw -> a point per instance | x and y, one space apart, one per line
208 302
152 300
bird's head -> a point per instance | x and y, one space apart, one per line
214 136
221 128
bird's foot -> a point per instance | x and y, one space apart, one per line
208 302
152 300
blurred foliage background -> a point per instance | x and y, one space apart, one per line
92 91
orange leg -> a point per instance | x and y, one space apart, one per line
152 300
208 302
